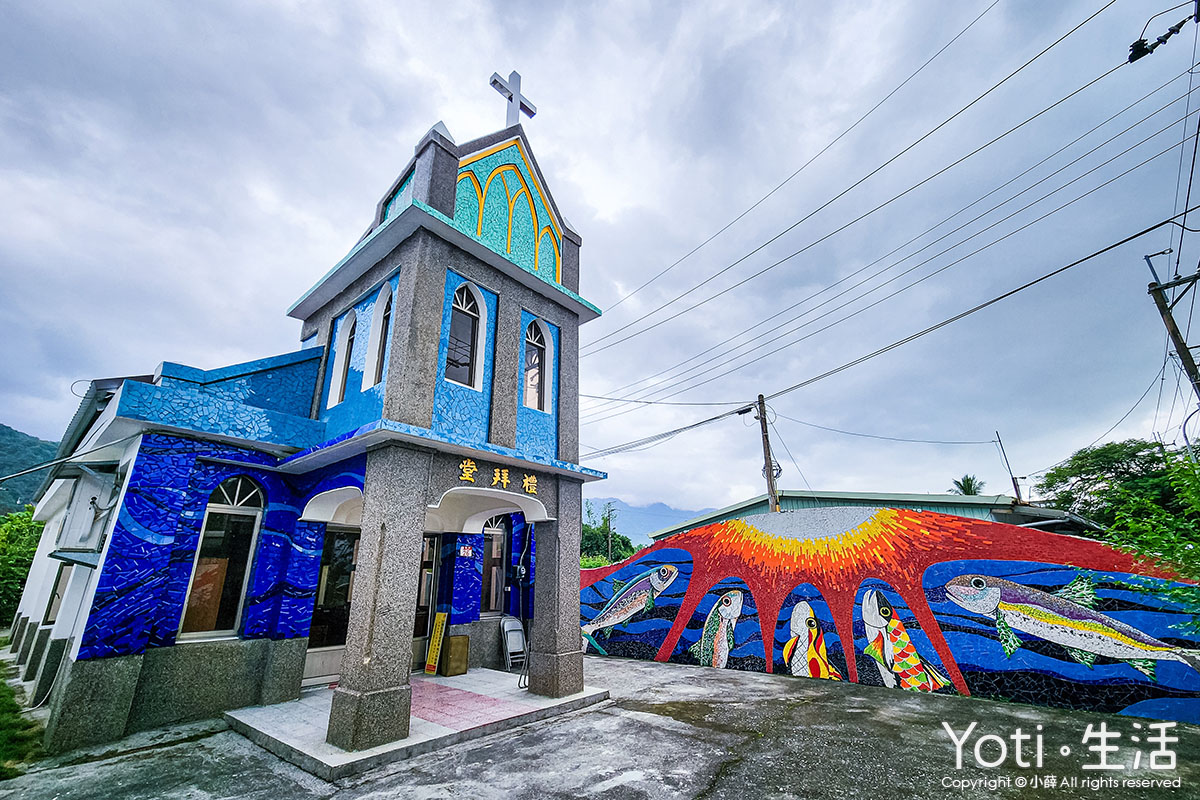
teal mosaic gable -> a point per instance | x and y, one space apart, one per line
500 202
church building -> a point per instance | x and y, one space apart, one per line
220 538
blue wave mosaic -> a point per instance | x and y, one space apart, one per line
145 576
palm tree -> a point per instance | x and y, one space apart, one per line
967 484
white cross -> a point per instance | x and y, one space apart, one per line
511 89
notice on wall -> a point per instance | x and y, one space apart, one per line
435 643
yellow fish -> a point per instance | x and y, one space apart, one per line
805 653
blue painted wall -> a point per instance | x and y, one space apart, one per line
537 431
361 405
147 569
460 413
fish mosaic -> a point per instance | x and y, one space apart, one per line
805 653
907 599
891 648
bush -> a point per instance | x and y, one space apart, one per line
19 536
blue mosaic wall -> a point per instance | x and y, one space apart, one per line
280 383
146 571
520 605
487 189
361 405
460 413
460 587
400 200
182 407
537 431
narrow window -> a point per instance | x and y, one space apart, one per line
495 534
222 570
464 330
60 591
385 325
348 353
535 360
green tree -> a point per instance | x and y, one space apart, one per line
1162 536
599 534
1095 479
967 484
19 536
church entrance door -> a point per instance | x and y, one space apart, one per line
331 612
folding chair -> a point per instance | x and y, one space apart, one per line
513 636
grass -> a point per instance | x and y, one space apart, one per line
20 737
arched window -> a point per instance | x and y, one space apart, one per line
222 567
385 325
495 540
535 367
343 351
463 346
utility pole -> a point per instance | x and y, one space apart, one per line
1007 466
1158 291
768 462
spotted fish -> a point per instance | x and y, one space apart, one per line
1066 618
891 648
805 653
716 640
628 600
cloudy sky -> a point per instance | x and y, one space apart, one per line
174 176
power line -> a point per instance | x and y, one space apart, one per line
959 260
649 441
857 183
663 402
805 165
662 378
788 450
884 438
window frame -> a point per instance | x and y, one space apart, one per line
543 373
504 531
251 562
478 339
58 579
381 323
342 347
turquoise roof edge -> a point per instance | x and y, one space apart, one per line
435 214
426 433
170 369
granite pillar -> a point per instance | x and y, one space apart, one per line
18 631
555 658
372 701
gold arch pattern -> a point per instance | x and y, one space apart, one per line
481 194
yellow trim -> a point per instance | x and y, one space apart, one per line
482 154
478 195
537 251
510 197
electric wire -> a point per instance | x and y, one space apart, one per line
788 450
592 345
885 438
648 441
959 260
805 165
1162 371
665 375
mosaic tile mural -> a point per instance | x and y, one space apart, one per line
145 575
927 602
501 203
537 430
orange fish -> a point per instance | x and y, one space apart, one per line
895 655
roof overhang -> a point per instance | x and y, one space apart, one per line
387 237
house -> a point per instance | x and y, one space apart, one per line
218 538
993 508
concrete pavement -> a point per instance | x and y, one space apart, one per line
673 731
